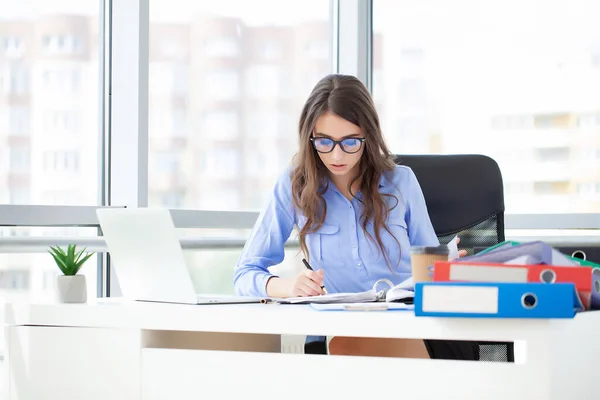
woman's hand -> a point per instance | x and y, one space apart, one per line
308 283
461 253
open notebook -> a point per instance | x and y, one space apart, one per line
401 293
383 290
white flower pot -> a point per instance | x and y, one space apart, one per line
71 289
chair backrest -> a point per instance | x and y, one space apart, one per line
464 195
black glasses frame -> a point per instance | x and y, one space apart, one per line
337 142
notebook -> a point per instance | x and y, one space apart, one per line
401 293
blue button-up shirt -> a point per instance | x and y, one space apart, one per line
350 260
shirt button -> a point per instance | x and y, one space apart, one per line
354 246
358 265
351 207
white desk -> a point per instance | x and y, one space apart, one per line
135 351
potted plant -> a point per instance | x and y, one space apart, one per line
70 287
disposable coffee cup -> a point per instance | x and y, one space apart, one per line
423 257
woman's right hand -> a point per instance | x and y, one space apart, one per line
307 283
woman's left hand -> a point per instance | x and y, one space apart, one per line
461 253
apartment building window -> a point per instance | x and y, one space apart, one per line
171 199
220 124
512 122
318 49
168 161
62 160
19 121
221 163
221 47
16 78
19 157
181 78
61 121
263 81
13 46
19 195
264 124
63 80
179 122
61 43
229 199
222 85
271 50
14 279
553 154
49 280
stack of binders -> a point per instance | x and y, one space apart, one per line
530 280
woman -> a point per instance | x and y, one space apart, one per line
356 211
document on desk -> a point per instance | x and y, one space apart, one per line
376 306
361 297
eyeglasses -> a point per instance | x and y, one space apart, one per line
326 145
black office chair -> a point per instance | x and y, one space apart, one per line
465 197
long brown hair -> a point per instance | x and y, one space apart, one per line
346 97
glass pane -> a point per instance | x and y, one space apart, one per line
212 270
516 80
49 96
227 83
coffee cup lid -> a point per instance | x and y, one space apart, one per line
442 250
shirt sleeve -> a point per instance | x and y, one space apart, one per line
265 246
420 229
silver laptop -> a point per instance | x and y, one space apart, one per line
148 259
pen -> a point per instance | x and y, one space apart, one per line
307 265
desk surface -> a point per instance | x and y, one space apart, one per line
286 319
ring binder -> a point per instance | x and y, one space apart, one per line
547 276
380 281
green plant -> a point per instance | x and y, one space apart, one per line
71 261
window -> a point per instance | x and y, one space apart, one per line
179 122
19 121
223 84
61 80
221 163
271 50
19 159
263 81
495 80
15 279
19 195
221 47
167 161
62 161
61 121
318 49
12 46
553 154
16 78
61 43
220 124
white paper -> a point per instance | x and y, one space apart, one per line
361 297
453 247
378 306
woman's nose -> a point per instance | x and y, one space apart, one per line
337 153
